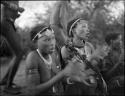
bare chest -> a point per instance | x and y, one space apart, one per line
48 71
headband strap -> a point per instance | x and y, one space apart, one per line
70 31
41 31
73 25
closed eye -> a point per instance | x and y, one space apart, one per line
48 39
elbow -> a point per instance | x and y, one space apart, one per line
32 81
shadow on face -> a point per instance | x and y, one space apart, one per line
46 43
81 30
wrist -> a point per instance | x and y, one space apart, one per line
64 73
69 81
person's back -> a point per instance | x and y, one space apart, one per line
8 30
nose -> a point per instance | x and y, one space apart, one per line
87 32
52 42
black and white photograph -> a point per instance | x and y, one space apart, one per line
62 48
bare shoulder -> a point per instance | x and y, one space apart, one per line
65 52
32 55
32 59
89 45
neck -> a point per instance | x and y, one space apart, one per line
77 42
45 55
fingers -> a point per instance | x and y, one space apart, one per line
75 61
89 72
29 91
77 65
79 79
86 83
83 79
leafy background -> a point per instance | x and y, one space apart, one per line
105 16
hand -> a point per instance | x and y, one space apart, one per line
76 71
99 53
73 67
84 77
30 91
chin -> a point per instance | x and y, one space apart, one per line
83 38
80 45
51 51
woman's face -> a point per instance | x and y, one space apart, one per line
47 42
82 30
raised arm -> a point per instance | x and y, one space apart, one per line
60 14
64 15
2 13
55 21
55 17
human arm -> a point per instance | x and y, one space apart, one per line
34 90
55 16
2 13
35 87
97 55
59 22
32 74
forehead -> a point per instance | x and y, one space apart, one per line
47 33
83 22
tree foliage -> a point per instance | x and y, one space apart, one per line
101 16
97 12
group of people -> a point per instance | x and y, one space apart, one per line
63 63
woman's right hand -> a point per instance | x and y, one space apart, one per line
75 69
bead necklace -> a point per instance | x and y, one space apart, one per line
47 62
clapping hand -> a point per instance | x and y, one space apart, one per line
99 53
76 70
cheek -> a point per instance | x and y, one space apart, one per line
53 42
46 46
42 45
79 32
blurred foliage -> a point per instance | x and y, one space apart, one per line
104 16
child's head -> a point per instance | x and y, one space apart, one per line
45 39
78 30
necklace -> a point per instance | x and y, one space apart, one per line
47 62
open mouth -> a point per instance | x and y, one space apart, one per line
52 49
87 35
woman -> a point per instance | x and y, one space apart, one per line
79 40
